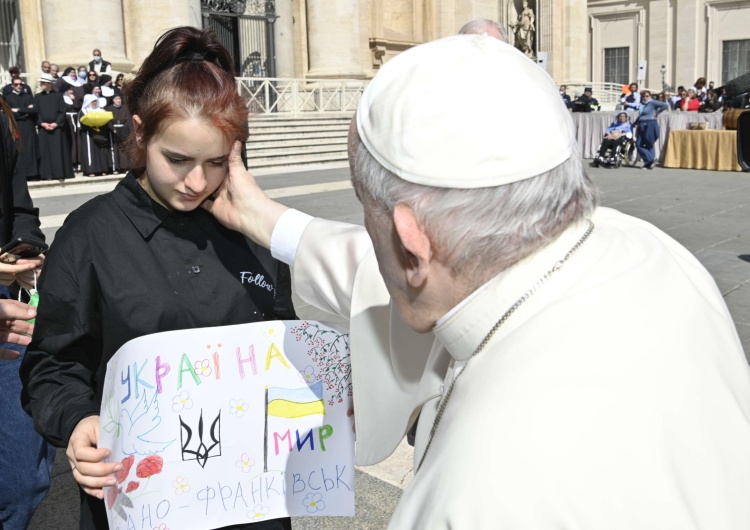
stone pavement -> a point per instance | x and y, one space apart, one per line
706 211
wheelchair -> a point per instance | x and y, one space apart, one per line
622 151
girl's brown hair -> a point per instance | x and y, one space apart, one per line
189 74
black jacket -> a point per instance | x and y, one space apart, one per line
105 65
23 220
123 266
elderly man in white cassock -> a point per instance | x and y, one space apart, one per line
574 367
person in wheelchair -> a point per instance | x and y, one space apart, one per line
616 137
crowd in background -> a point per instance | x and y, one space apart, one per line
76 121
701 97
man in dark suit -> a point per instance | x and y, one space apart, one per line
99 65
15 73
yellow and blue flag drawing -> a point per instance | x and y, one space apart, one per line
295 402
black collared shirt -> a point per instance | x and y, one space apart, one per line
123 266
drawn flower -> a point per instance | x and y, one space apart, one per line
127 463
258 512
307 375
238 407
162 526
313 502
245 463
182 401
203 367
270 332
151 465
181 485
112 494
132 485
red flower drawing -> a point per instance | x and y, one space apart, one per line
127 463
151 465
132 485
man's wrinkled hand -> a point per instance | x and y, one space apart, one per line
240 204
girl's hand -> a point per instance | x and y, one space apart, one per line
87 459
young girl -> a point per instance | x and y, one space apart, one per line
146 258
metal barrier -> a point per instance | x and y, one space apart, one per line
266 95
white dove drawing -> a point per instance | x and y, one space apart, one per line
137 425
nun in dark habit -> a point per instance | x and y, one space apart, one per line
121 127
96 154
73 105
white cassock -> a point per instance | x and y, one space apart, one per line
617 396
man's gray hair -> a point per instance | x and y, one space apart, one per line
483 231
479 26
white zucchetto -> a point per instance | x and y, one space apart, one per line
466 111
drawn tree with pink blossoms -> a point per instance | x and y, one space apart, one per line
329 350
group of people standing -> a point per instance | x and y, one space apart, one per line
701 97
76 121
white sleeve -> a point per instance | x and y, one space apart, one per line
287 234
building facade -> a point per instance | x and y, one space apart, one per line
680 40
672 41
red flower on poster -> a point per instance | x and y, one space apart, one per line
127 463
151 465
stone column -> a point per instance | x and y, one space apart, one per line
660 43
73 30
576 41
333 39
32 29
145 22
689 16
284 39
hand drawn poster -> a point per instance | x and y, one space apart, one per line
229 425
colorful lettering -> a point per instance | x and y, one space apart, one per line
275 353
324 432
186 366
250 359
161 372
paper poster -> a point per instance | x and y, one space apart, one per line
229 425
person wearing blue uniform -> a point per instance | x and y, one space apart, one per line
648 128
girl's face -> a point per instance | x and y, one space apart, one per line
185 163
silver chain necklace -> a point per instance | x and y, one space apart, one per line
525 296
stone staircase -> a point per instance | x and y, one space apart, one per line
313 139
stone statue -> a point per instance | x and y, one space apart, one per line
524 30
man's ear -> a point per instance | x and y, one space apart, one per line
416 244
